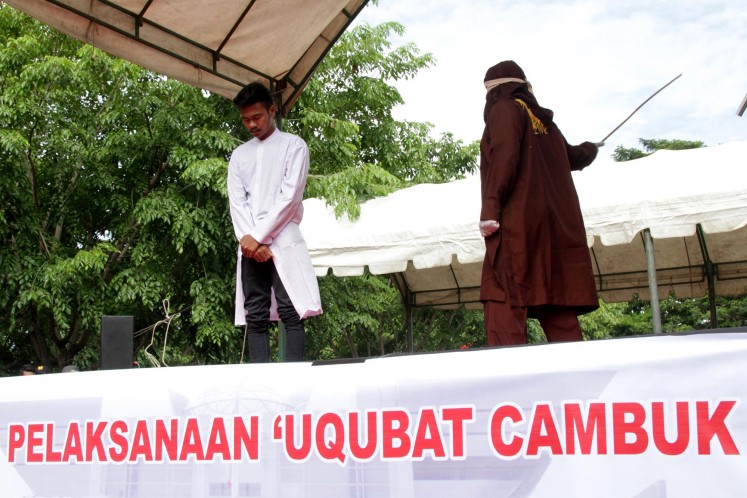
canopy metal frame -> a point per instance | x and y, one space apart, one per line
707 271
209 68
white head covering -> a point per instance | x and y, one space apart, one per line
490 84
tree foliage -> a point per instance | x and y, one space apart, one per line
358 150
113 199
650 146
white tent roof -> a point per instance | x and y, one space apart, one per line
427 235
217 45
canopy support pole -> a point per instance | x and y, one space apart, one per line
653 287
409 301
710 275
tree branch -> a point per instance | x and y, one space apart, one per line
125 243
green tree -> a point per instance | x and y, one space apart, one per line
652 145
112 181
358 150
362 317
445 330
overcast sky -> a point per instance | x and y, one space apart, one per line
591 61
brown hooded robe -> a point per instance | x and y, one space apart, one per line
539 255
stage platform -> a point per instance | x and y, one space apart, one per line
654 416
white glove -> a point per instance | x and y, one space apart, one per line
488 227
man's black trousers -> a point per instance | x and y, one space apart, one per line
258 280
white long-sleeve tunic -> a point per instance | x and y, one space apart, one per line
266 180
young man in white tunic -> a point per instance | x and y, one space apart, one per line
266 180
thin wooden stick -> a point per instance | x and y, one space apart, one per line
599 144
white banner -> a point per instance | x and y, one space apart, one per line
640 417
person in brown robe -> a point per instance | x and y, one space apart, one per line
537 263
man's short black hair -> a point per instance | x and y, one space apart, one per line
253 93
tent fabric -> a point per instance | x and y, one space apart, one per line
694 202
211 44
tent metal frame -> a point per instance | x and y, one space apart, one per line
708 270
289 88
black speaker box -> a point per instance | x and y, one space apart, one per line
116 342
